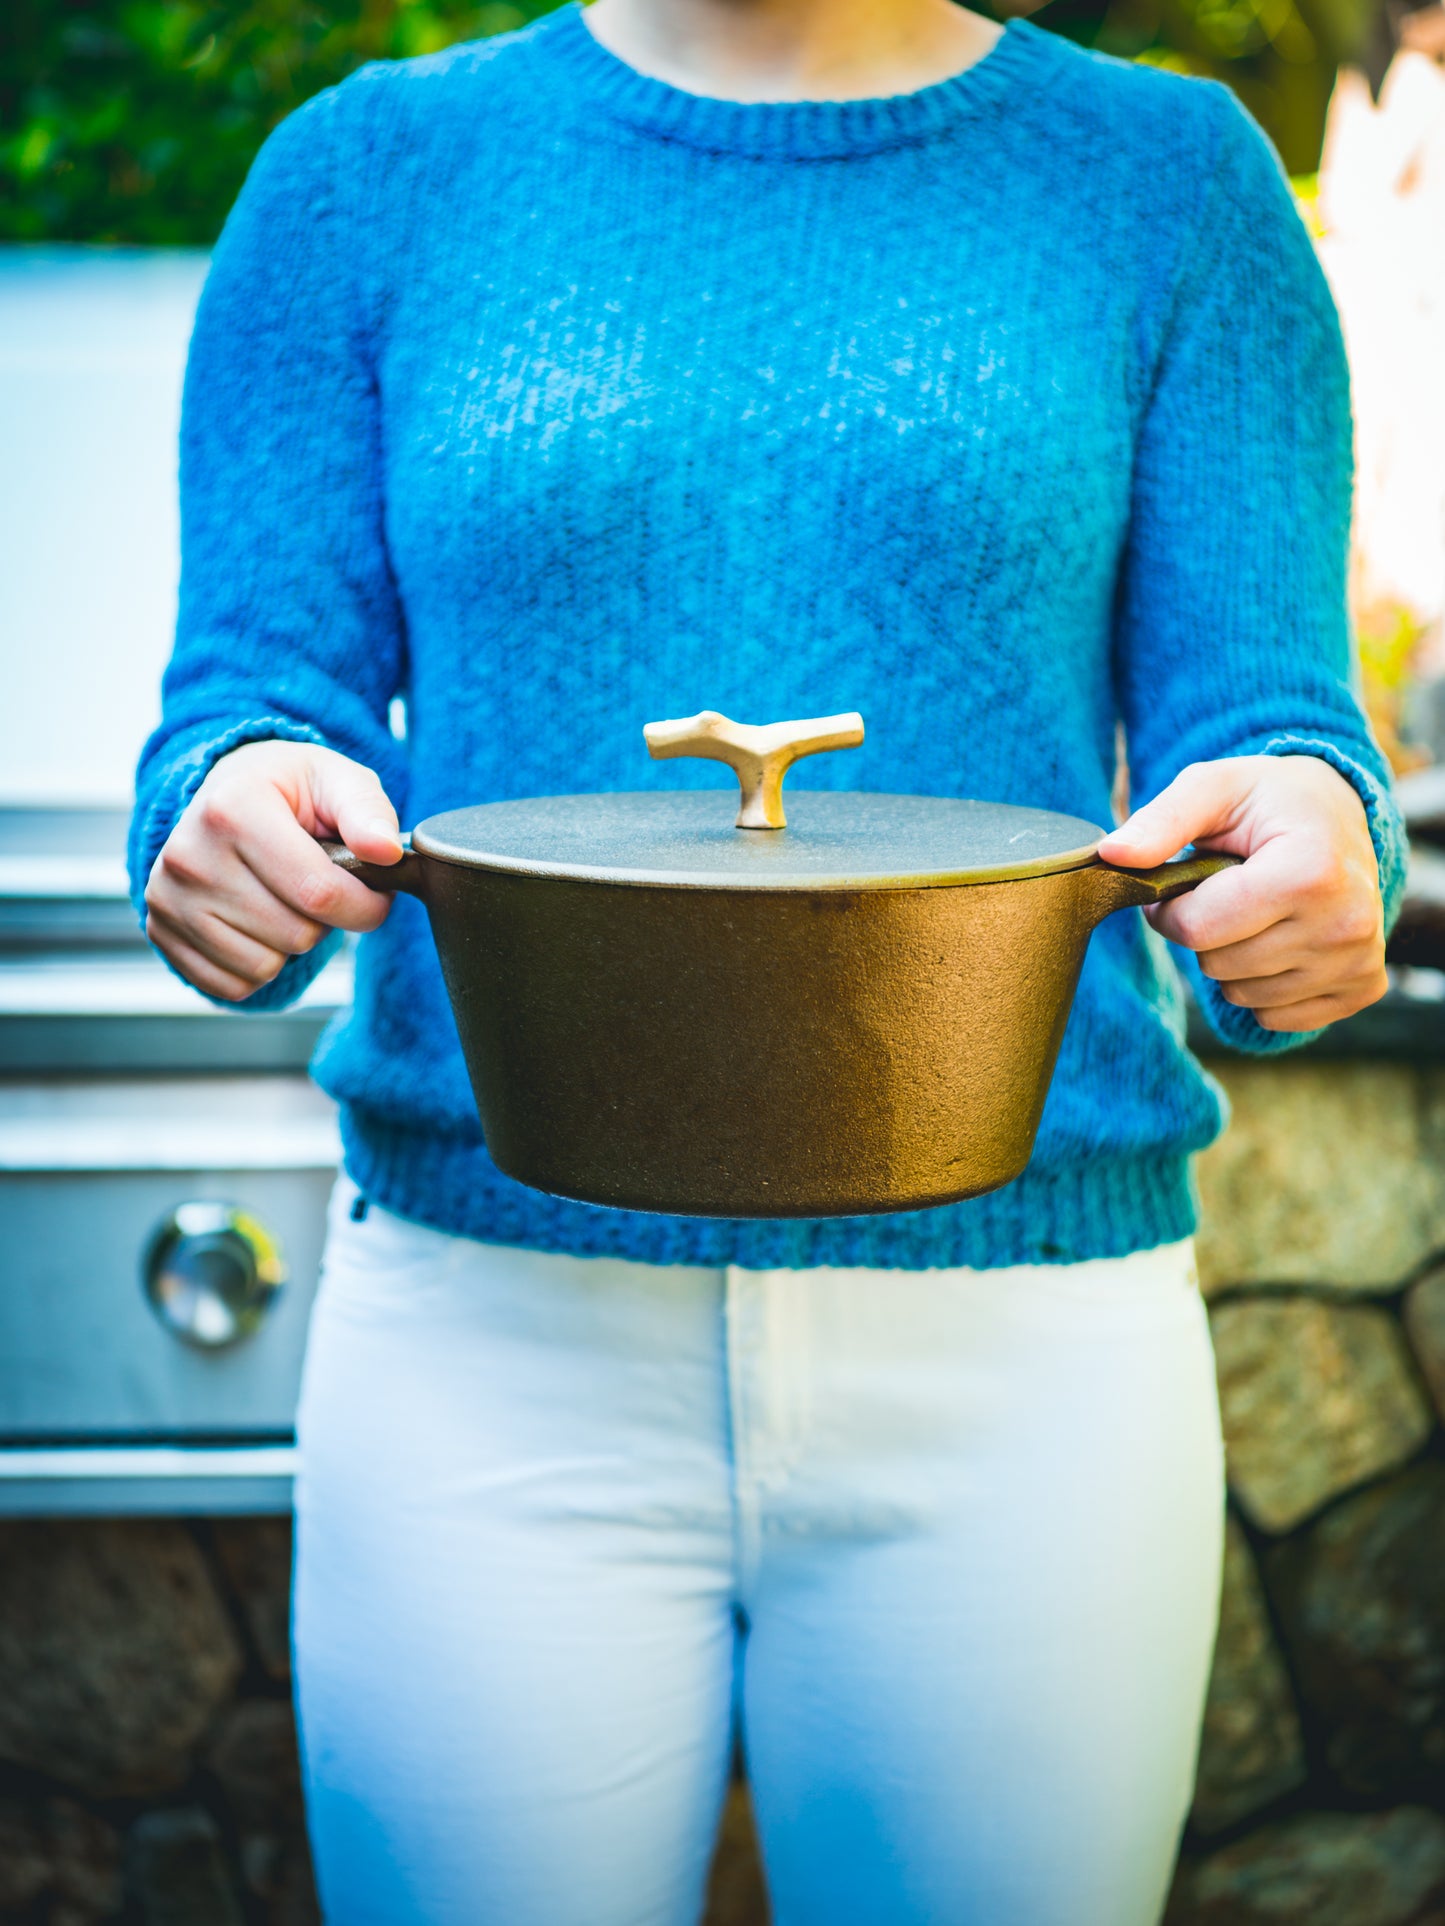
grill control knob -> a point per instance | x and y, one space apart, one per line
211 1272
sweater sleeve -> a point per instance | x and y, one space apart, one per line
1232 636
289 624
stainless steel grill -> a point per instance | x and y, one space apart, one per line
164 1169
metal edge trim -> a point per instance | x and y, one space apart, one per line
46 1158
115 1462
730 882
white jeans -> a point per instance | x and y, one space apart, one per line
946 1544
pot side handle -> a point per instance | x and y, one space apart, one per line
407 875
1119 888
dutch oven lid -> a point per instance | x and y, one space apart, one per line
828 840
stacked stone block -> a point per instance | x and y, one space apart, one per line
1321 1788
148 1772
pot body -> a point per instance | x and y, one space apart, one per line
763 1053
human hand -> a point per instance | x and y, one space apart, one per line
241 885
1296 932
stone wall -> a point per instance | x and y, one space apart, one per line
147 1755
1321 1780
148 1769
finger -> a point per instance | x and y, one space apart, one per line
1315 1012
1305 985
270 922
237 950
223 947
1283 946
255 828
1204 802
1289 945
230 891
195 968
349 797
1278 992
1234 906
293 866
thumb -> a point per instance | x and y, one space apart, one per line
1206 800
348 797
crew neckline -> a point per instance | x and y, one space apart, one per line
786 129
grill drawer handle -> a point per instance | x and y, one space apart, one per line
211 1273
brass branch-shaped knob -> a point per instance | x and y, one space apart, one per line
759 756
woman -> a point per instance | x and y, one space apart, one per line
783 356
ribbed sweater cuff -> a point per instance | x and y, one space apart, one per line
1106 1208
1387 830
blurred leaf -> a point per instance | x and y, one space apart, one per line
136 120
1279 56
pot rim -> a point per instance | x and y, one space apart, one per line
434 839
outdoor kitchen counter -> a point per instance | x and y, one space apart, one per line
131 1110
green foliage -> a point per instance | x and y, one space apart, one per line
135 120
1279 56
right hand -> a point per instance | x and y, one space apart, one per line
241 884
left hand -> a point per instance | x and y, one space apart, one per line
1296 933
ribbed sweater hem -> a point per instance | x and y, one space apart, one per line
1105 1208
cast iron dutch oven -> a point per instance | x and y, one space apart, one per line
854 1010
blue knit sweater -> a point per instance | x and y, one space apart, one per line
554 399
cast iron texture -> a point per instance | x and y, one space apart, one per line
764 1053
